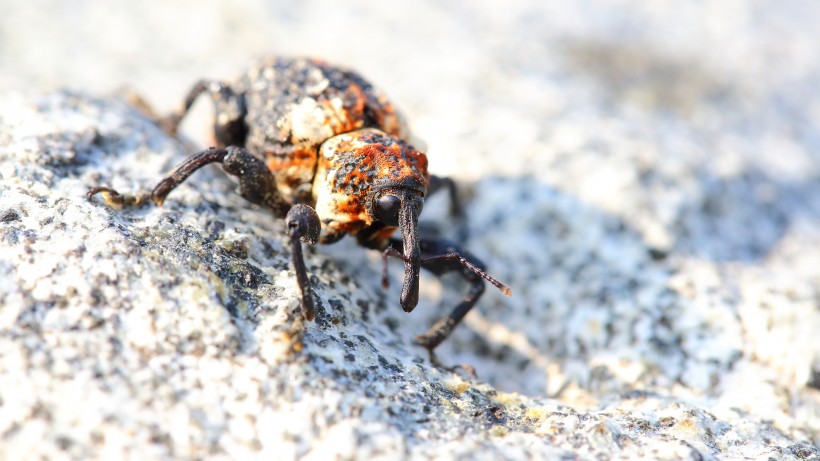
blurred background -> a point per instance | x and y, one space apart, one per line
693 125
516 90
469 75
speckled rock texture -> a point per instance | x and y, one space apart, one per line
645 177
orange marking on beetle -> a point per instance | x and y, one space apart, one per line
340 119
385 233
392 162
292 169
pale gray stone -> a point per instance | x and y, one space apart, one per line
175 331
644 176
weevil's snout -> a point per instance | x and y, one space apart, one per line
401 207
409 226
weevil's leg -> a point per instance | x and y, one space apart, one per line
229 125
170 123
444 327
302 225
117 200
440 257
388 252
438 183
138 102
256 182
469 369
442 183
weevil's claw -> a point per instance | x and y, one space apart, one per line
138 102
308 309
98 190
466 368
388 252
169 124
116 200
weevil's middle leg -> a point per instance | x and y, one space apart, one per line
456 208
229 125
170 123
438 183
440 257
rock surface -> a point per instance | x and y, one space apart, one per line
646 181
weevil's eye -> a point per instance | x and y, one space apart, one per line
387 209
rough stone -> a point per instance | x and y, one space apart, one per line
176 332
645 177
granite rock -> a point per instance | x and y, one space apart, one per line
175 331
645 176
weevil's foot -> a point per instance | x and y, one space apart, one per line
116 200
169 124
138 102
308 308
462 228
464 368
294 338
467 369
425 342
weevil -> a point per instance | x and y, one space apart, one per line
322 148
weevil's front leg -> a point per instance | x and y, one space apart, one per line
438 183
257 185
456 211
229 125
256 182
302 225
440 257
170 123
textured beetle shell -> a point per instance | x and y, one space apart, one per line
293 105
350 166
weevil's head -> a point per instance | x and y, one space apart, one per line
400 207
369 180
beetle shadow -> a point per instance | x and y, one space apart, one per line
742 218
592 305
595 306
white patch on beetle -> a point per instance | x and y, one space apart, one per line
308 121
316 83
